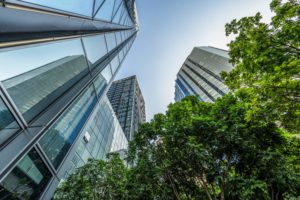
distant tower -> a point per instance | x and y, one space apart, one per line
200 74
128 103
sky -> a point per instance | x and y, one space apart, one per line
168 31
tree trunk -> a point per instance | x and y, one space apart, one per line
206 189
173 186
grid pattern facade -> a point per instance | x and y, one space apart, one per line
128 103
56 68
200 74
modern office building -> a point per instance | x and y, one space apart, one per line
128 103
200 74
57 61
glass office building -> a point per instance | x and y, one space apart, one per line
128 103
57 61
200 74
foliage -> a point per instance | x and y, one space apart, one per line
266 64
97 179
209 151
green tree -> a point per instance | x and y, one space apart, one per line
266 59
209 151
97 179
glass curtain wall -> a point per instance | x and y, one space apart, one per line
112 11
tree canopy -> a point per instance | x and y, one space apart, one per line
197 151
267 65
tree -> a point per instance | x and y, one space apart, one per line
209 151
266 59
97 179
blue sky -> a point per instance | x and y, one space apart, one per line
169 29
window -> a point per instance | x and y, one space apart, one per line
111 41
37 81
105 12
8 124
27 180
81 7
95 47
60 136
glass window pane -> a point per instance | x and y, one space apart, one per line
106 73
117 16
82 7
105 12
61 135
98 3
95 47
100 84
27 180
39 80
114 64
111 41
8 124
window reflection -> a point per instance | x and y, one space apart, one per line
111 41
106 10
8 124
56 68
27 180
95 47
61 135
81 7
106 73
115 64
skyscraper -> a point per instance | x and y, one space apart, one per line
128 103
200 74
58 59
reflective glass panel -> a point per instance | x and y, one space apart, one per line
106 73
61 135
111 41
117 6
27 180
43 78
117 16
82 7
95 47
114 64
8 124
100 84
98 3
105 12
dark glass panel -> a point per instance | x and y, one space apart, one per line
43 78
60 136
27 180
8 124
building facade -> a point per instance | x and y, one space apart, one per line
200 74
58 59
128 103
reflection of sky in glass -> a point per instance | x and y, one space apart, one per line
21 60
95 47
82 7
106 10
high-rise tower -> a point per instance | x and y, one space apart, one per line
128 103
200 74
58 59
